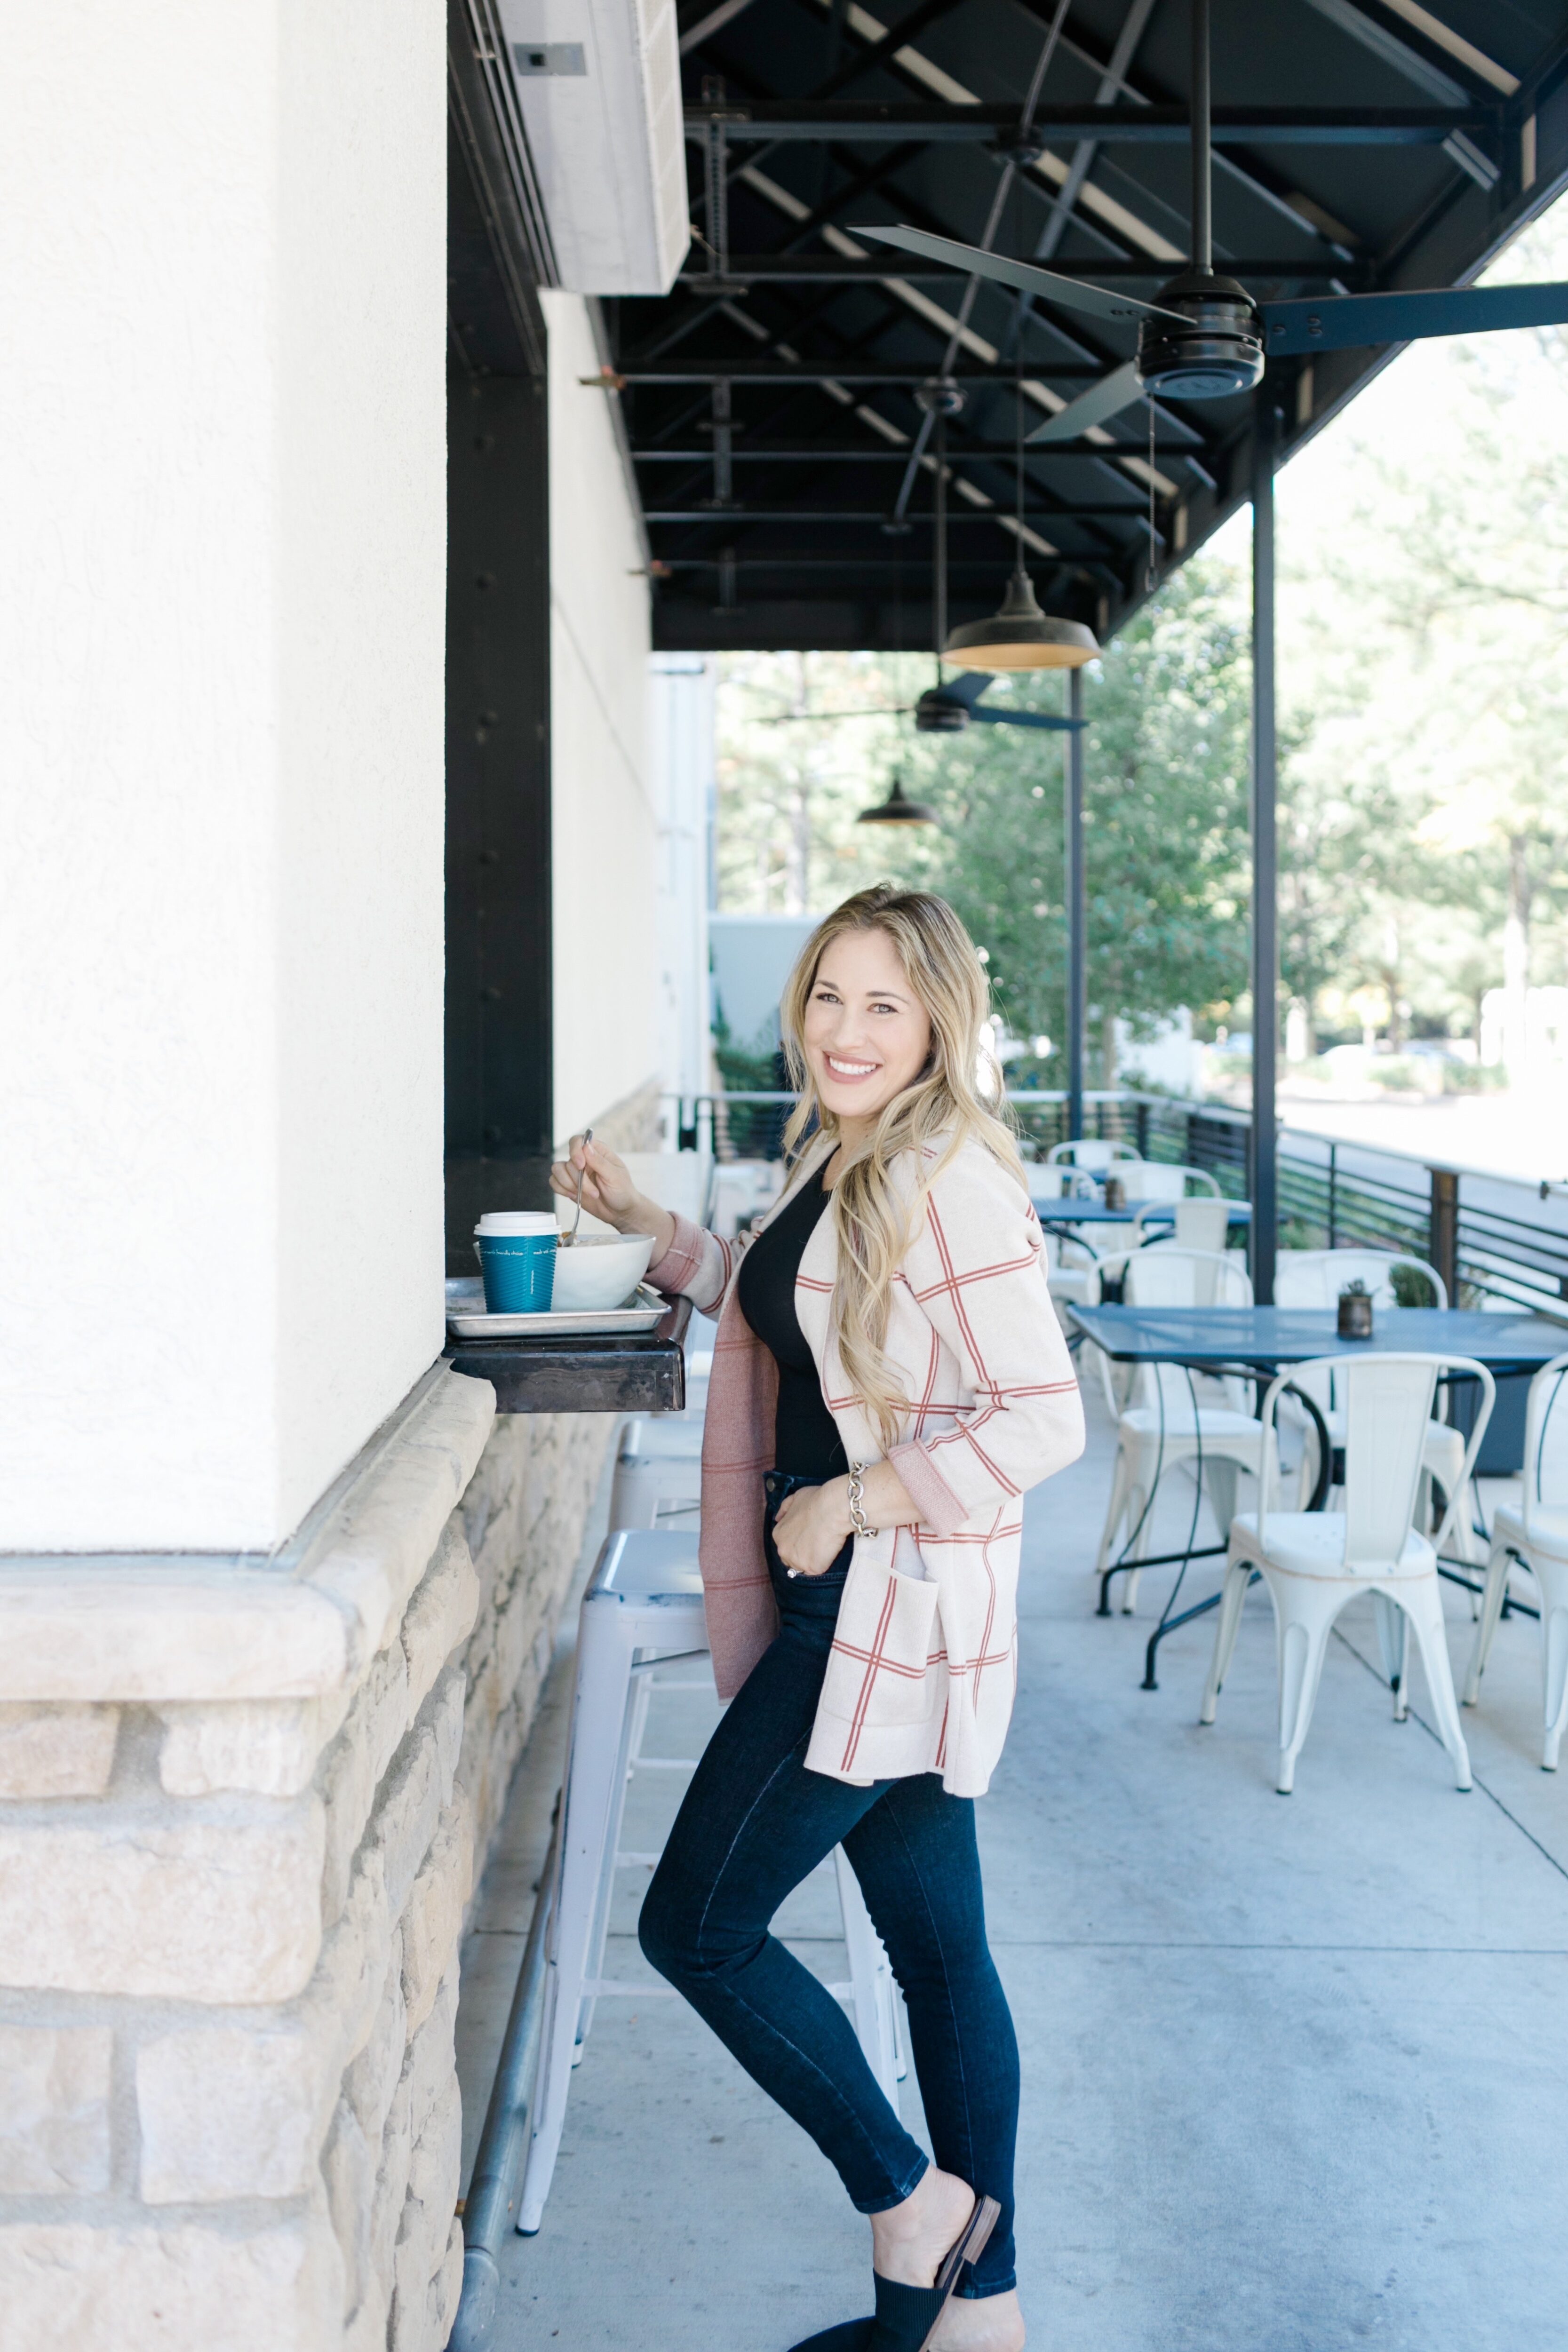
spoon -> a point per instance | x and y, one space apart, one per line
564 1241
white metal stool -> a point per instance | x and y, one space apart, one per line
643 1610
658 1476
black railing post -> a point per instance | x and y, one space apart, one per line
1334 1196
1265 865
1443 1232
1077 897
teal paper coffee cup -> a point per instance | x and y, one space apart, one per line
517 1257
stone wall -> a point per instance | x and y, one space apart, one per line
234 1850
523 1515
240 1807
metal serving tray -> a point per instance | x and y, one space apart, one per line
466 1320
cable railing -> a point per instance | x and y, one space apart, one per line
1499 1242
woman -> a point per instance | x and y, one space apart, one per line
888 1379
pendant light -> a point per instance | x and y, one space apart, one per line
1019 635
897 810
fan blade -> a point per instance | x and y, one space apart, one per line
1113 392
1348 321
1022 275
967 687
870 710
1026 718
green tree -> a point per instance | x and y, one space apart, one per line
804 741
1423 628
1166 789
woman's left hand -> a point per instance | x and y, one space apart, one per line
810 1530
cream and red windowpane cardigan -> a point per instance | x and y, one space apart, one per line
924 1659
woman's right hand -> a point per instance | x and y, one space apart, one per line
608 1193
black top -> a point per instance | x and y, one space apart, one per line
805 1440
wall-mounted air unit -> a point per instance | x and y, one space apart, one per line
597 84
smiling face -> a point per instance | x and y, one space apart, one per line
866 1034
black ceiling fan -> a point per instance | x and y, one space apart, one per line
947 709
1205 338
944 710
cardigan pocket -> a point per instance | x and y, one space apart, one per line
879 1668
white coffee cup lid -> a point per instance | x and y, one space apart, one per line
501 1221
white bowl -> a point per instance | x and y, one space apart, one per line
598 1272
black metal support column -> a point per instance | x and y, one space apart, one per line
1077 898
500 1016
1264 1154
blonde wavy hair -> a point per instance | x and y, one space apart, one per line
941 1112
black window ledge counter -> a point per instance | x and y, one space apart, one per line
643 1374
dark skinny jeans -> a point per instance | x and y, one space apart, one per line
754 1824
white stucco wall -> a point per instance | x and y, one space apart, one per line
605 834
222 269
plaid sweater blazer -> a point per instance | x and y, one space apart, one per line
924 1667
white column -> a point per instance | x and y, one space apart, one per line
683 688
222 270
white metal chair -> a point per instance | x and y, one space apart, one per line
658 1474
1051 1185
1073 1277
1315 1561
1089 1152
1202 1224
1172 1415
1164 1179
1315 1278
659 1468
1535 1536
643 1610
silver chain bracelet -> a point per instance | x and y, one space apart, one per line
858 1501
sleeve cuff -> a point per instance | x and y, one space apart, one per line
939 1506
682 1261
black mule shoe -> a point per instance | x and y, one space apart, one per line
906 2316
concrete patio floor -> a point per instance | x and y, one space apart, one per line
1294 2069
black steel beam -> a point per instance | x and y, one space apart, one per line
1133 505
1143 126
1042 566
840 616
896 38
1035 519
497 249
500 1106
829 369
1076 895
789 268
1265 1174
861 454
860 180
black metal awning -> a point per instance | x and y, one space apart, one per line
772 399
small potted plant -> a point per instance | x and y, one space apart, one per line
1355 1311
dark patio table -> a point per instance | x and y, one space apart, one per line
1095 1213
1259 1341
